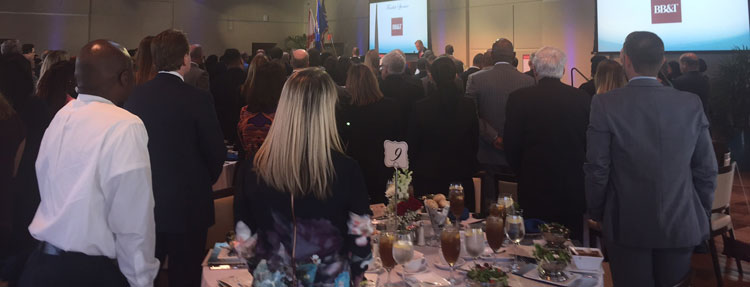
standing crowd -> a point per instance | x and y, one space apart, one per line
108 163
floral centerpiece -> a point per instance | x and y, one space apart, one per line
401 202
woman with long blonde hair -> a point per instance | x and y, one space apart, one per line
303 197
609 76
52 58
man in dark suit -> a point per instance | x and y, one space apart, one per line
227 95
692 80
405 89
490 89
197 76
545 143
449 50
650 171
476 66
419 45
187 153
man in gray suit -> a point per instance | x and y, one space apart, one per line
650 171
490 89
197 77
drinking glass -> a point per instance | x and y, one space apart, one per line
450 245
385 246
497 209
506 200
474 240
403 249
456 198
495 232
515 230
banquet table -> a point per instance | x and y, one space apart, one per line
432 256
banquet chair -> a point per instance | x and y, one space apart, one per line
477 194
721 220
508 187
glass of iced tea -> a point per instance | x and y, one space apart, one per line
385 247
450 245
495 230
456 198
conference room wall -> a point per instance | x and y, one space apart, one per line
69 24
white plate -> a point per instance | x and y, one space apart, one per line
426 279
533 274
400 269
573 268
440 263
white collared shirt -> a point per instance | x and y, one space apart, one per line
502 63
643 78
94 177
173 73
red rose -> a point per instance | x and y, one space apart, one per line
414 204
401 208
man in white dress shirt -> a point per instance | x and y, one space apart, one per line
95 221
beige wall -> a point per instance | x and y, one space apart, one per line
68 24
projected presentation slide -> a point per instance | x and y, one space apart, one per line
397 25
684 25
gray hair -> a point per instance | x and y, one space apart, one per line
549 62
394 63
12 46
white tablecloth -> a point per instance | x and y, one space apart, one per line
432 255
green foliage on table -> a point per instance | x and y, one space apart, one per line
488 274
551 254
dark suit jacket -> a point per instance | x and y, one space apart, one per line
651 169
404 89
589 87
465 75
363 131
229 100
197 77
545 142
186 149
442 139
695 83
490 89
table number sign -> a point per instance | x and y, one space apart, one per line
396 154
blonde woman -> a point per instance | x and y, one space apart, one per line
305 199
52 58
609 76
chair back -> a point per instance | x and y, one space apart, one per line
724 182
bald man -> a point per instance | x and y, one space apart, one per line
300 59
491 89
95 184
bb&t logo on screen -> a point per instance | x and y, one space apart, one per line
666 11
397 26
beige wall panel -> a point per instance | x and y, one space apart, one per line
486 24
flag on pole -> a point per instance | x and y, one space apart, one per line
311 29
322 24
